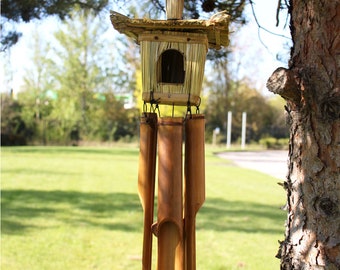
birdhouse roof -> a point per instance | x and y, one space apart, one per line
216 28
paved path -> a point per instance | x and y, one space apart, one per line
270 162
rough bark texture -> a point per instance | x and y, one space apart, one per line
312 237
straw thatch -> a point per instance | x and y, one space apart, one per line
216 28
193 47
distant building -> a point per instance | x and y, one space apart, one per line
127 99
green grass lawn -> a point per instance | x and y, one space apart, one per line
78 208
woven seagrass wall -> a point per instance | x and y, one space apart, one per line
191 47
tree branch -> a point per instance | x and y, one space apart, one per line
260 26
283 82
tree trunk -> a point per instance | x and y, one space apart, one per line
311 87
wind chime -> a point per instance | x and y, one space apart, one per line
173 53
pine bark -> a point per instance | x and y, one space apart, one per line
311 87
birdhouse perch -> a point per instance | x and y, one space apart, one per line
173 53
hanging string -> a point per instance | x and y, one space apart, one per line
189 110
153 102
198 105
145 107
188 106
157 108
152 99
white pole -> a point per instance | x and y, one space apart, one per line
229 130
214 137
244 121
215 133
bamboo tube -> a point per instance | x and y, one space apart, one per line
170 202
146 180
194 170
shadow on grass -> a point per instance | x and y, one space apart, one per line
21 210
116 151
26 210
35 172
249 217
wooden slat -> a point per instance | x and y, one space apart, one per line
172 99
189 38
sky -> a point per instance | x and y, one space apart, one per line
256 50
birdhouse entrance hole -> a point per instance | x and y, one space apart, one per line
171 67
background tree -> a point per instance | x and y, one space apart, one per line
227 93
278 126
116 122
79 72
311 88
36 97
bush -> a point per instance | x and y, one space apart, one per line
14 130
274 143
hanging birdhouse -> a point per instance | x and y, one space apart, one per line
173 66
173 53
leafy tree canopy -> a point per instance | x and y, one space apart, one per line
24 11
